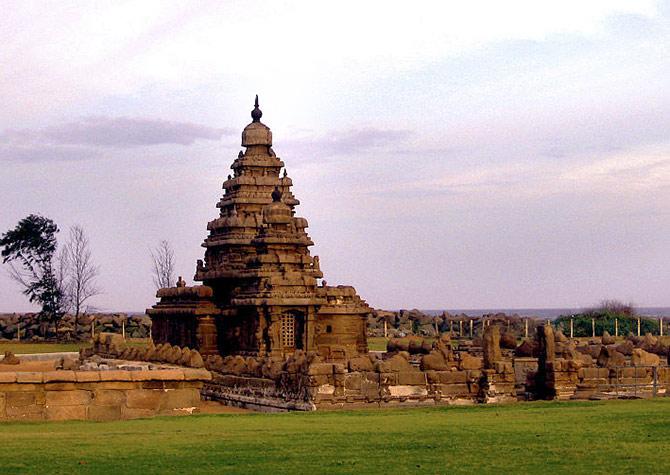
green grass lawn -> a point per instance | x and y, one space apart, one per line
16 347
568 437
377 343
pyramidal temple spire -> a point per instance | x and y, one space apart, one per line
256 114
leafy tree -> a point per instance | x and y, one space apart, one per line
29 250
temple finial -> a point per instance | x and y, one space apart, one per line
256 114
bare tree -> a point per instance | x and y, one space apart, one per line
163 265
62 274
80 283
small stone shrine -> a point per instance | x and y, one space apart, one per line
260 294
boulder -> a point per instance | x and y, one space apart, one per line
527 349
643 358
508 341
609 357
395 364
608 339
648 342
626 348
434 360
360 363
470 362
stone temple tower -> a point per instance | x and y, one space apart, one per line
260 294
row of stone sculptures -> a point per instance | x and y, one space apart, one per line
112 345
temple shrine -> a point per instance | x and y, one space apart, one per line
260 292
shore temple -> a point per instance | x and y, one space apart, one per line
260 292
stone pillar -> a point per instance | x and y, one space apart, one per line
638 326
491 346
616 327
545 363
310 329
207 336
274 332
572 327
525 322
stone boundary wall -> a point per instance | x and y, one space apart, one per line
568 382
305 383
99 395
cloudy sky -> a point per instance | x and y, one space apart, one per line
447 154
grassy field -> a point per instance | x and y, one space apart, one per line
377 343
17 348
569 437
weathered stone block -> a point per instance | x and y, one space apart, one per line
361 363
19 387
134 413
407 391
372 376
29 413
412 378
87 376
24 398
115 375
193 374
60 387
109 397
460 389
144 399
169 374
29 377
64 413
470 362
432 377
7 377
144 375
68 398
123 385
179 398
453 377
59 376
104 413
353 382
388 379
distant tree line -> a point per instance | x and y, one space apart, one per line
606 317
